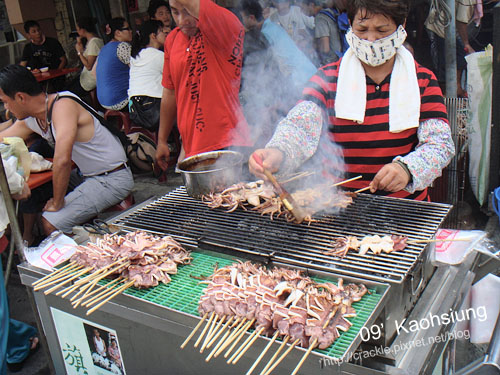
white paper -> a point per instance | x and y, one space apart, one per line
454 252
52 251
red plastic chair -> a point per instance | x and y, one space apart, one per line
125 204
125 124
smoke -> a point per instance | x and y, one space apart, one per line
272 80
267 90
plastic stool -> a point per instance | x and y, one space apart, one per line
125 204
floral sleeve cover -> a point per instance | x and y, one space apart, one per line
434 151
297 135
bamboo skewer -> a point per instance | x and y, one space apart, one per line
118 291
275 364
239 337
275 336
70 289
87 289
219 331
100 294
52 274
230 338
440 240
100 271
88 278
244 344
361 190
250 343
94 282
67 290
102 288
346 181
303 359
74 302
109 272
313 344
74 276
215 351
210 332
297 176
275 355
59 277
204 329
194 331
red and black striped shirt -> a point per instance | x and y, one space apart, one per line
367 147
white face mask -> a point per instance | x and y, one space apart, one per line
378 52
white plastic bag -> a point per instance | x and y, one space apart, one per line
52 251
454 252
486 303
479 84
39 163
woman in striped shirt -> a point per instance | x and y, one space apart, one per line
383 113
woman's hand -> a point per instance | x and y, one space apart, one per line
271 160
79 46
392 177
24 194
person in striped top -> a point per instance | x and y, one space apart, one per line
377 108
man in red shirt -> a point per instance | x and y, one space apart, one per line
201 80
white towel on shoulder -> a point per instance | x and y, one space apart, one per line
404 92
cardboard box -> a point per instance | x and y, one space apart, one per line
20 11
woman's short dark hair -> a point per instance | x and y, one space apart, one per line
16 78
88 24
397 10
115 25
141 39
154 5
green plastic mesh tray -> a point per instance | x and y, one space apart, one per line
184 292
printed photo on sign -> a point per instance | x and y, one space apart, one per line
87 348
104 348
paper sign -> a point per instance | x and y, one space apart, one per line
51 252
87 348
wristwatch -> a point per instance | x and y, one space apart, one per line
79 53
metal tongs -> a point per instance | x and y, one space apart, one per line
284 195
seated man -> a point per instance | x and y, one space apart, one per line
79 137
43 51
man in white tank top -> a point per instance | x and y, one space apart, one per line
78 137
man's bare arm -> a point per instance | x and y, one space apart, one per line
324 44
65 120
63 62
462 31
168 111
17 129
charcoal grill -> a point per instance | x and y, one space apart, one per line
259 238
152 323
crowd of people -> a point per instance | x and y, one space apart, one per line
325 81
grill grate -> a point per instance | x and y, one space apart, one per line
184 292
245 231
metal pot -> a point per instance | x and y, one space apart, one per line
211 171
